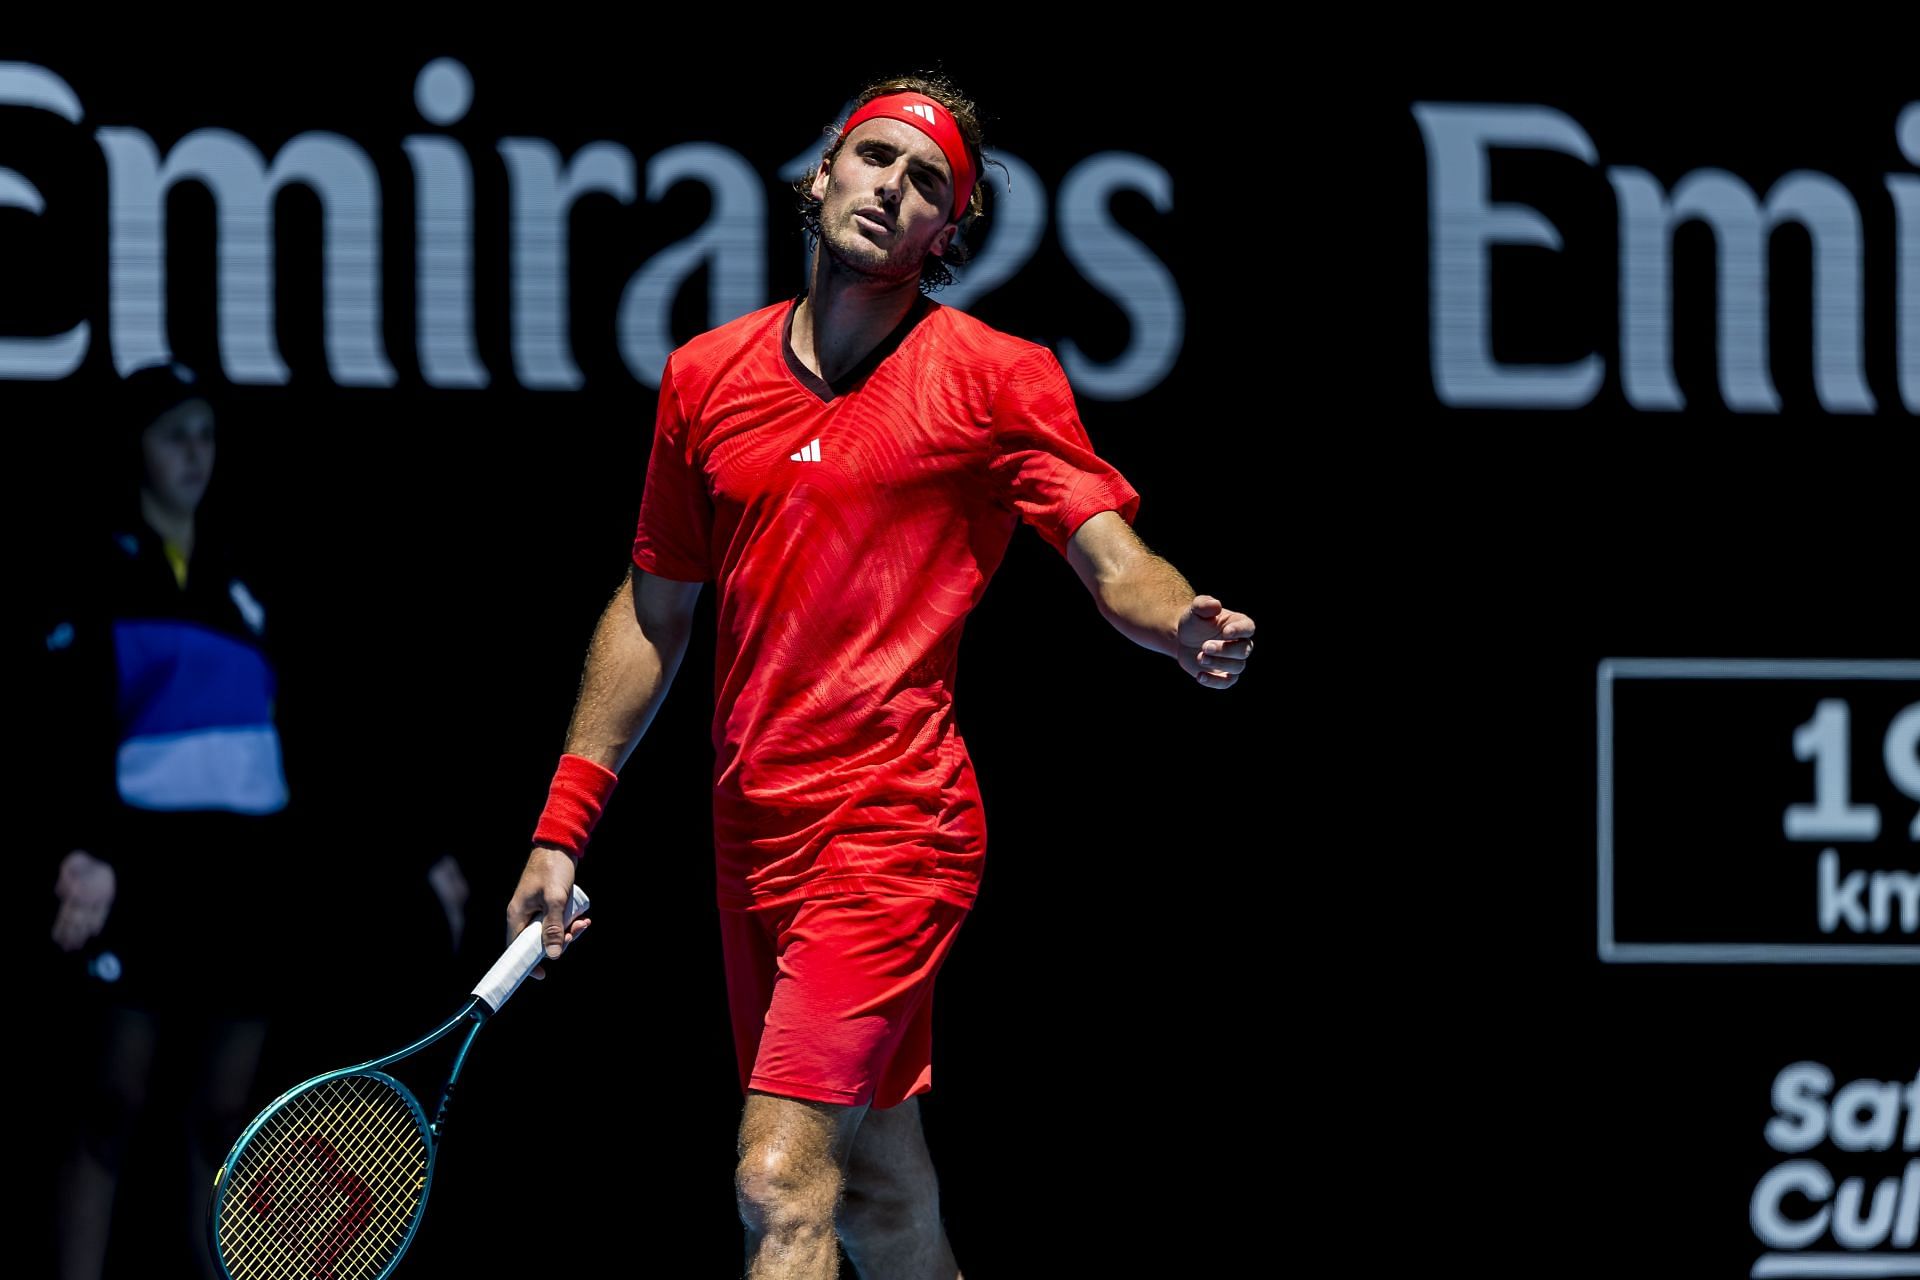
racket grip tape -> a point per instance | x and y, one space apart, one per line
519 959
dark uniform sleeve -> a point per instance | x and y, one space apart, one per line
72 717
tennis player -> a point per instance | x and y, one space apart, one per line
847 466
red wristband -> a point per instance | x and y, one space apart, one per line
574 802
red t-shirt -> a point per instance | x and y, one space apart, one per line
850 529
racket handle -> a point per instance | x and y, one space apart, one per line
519 959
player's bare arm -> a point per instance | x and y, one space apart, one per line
631 661
635 653
1149 602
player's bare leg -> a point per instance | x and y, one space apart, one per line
793 1158
889 1216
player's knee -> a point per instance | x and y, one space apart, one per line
784 1191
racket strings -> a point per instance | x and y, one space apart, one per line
328 1188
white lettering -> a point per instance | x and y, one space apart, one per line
1771 1224
24 85
1648 219
1800 1097
1901 751
544 191
1823 740
1905 190
1906 1223
1463 225
243 189
1019 220
443 232
1841 898
1881 1100
1845 900
1122 268
1886 887
731 245
1852 1231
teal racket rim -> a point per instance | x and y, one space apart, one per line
290 1182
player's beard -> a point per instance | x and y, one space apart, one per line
839 232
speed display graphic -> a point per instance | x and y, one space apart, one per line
1758 811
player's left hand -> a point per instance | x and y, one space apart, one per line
1214 642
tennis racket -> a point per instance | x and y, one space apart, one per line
330 1181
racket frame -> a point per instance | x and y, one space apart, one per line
492 993
476 1011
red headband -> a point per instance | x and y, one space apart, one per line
934 120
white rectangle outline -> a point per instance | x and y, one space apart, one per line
1612 952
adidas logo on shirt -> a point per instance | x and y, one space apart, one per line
809 454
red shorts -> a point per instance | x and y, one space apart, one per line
832 998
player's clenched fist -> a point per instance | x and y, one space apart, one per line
1215 642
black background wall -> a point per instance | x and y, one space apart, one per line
1536 1109
1305 968
439 559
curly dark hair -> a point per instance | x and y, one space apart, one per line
935 270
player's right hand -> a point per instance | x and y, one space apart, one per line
85 888
545 888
